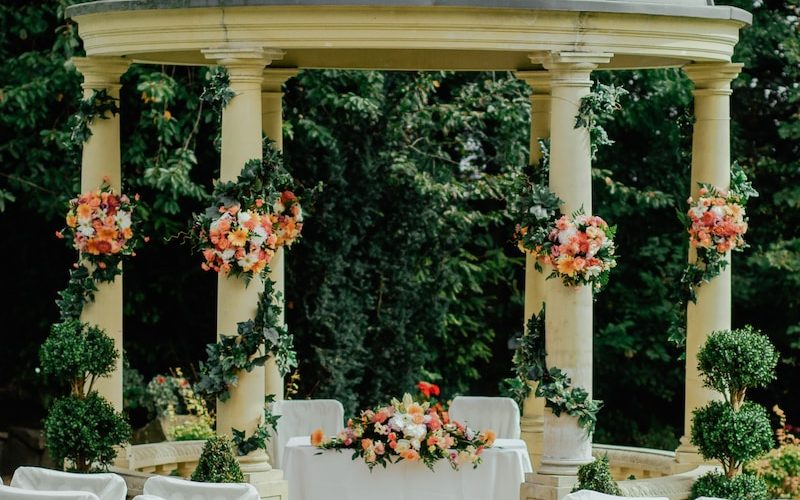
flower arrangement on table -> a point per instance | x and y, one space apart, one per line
408 430
101 226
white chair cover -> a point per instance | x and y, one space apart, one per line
12 493
594 495
300 417
172 488
482 413
106 486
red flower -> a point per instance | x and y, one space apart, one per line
427 389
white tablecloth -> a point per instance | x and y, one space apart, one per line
314 474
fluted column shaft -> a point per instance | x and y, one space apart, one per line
272 123
710 164
101 161
568 322
532 423
236 299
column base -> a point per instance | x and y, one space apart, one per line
532 432
687 457
562 467
268 481
546 486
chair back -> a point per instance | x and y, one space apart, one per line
105 486
300 417
484 413
172 488
594 495
12 493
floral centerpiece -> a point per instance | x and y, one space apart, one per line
100 225
408 430
580 249
236 240
716 223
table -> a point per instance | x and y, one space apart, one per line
315 474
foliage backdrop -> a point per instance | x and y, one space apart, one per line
406 270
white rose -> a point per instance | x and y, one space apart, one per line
123 220
567 234
244 217
718 211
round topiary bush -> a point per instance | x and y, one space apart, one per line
84 432
596 476
77 352
733 360
731 436
741 487
217 463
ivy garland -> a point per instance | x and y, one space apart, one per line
260 183
535 208
97 105
555 386
262 433
710 262
263 336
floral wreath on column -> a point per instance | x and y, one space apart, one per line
237 235
580 251
715 224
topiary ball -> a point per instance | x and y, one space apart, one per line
596 476
75 349
84 431
733 360
217 463
722 433
740 487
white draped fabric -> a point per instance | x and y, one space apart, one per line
594 495
329 475
481 413
12 493
171 488
300 417
106 486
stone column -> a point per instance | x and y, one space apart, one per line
568 323
533 409
272 123
236 300
101 160
711 163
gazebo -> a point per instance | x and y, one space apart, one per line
553 45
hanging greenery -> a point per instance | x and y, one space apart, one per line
262 433
555 386
98 105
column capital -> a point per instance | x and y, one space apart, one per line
571 68
539 81
101 72
712 78
244 64
274 78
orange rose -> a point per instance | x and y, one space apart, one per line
317 437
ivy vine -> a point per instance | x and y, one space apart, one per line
535 208
98 105
262 433
555 386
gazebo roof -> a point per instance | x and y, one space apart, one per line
414 34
